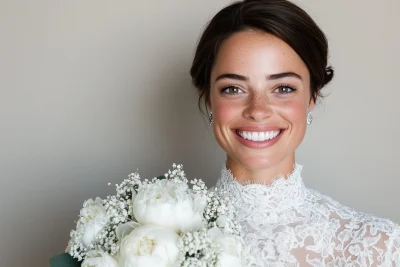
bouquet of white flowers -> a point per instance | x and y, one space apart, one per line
163 222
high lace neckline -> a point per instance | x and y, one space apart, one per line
282 193
286 224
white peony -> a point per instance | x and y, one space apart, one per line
149 245
231 248
171 204
93 218
99 259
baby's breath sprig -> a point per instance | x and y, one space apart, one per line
199 187
177 174
119 210
129 186
107 240
219 212
75 248
197 249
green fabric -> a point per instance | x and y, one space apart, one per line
64 260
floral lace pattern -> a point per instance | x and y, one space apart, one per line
286 224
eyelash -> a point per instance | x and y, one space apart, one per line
287 86
228 87
292 89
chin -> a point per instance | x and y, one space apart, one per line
259 163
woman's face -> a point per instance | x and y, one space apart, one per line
259 96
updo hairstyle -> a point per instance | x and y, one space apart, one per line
280 18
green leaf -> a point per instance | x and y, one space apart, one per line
64 260
161 177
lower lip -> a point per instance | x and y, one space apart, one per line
259 145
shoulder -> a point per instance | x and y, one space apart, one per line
345 212
393 253
360 233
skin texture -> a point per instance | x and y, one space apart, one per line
258 99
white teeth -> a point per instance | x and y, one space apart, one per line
259 136
254 136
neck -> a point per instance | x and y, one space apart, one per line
261 175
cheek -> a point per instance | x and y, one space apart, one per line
225 111
293 111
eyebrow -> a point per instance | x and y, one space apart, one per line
283 75
276 76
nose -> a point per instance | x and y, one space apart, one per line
258 108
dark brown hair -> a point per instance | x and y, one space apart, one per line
281 18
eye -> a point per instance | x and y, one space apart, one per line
232 90
284 89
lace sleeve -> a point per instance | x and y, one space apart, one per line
393 249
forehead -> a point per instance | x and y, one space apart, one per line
254 52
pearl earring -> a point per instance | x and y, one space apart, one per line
309 117
210 118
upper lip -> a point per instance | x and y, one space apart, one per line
259 128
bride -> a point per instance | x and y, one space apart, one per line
260 66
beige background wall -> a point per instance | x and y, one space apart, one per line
92 90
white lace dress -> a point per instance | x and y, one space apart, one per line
287 224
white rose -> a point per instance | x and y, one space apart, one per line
93 218
170 204
149 245
231 248
99 259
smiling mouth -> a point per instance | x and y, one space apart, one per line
258 136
